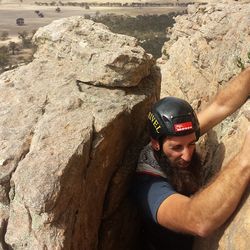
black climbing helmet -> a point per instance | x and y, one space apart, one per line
172 116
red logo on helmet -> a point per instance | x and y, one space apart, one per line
183 126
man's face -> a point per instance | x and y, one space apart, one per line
179 149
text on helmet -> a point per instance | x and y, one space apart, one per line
154 121
183 126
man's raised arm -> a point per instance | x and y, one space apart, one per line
227 101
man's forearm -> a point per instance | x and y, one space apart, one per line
236 92
227 101
212 206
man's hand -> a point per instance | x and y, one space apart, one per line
227 101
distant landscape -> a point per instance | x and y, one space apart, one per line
145 20
101 1
9 12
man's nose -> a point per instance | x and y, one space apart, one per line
187 154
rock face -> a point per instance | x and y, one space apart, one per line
71 127
224 144
203 52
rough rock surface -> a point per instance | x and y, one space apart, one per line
202 54
69 138
224 144
203 50
84 49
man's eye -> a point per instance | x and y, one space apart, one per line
177 148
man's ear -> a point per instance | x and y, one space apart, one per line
155 144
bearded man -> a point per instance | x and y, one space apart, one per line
167 187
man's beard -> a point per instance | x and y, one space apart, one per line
186 180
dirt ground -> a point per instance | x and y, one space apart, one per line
10 12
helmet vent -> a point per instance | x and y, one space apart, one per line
165 119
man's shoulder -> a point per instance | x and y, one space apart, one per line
150 185
149 177
149 191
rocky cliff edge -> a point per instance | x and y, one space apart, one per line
70 121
